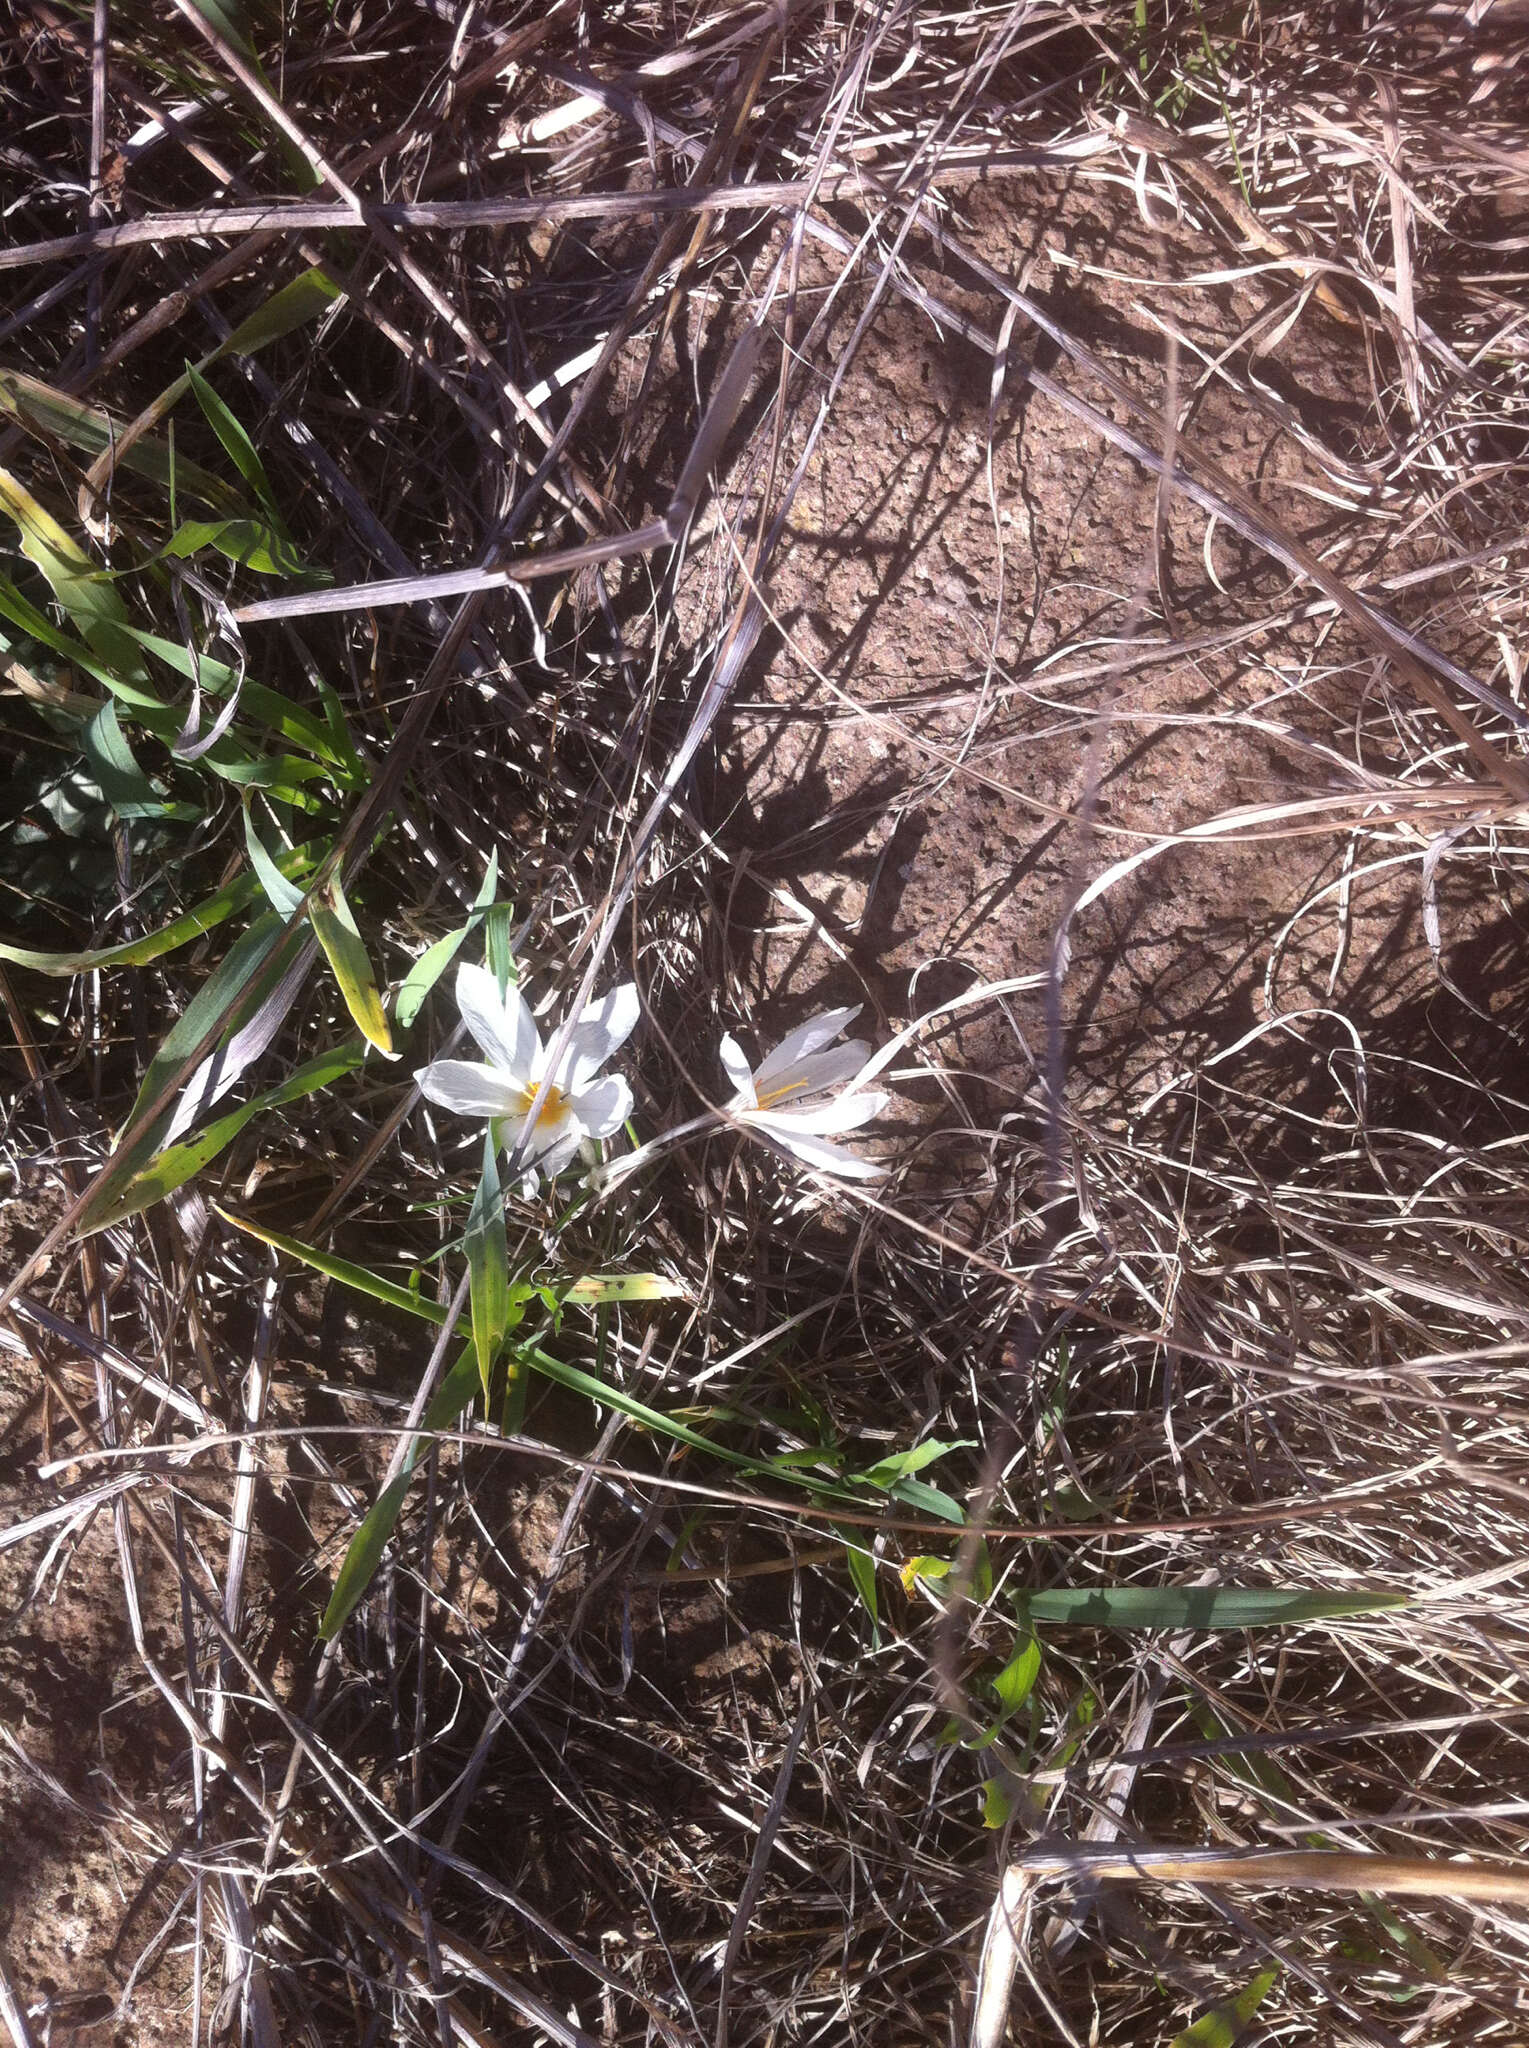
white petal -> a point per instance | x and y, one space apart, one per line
556 1156
600 1030
809 1037
502 1025
844 1113
469 1089
819 1153
604 1106
738 1072
817 1071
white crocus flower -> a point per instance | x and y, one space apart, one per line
772 1098
580 1102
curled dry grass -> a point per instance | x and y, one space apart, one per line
612 1752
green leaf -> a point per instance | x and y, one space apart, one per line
56 416
424 974
1015 1682
862 1571
364 1553
182 931
245 961
283 896
1220 2027
488 1266
248 543
92 601
229 18
120 779
173 1167
304 299
928 1571
997 1803
604 1287
902 1464
433 962
928 1500
335 929
570 1376
245 995
1192 1607
237 444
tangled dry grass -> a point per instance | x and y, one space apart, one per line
1201 1240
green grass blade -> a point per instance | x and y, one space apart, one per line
364 1553
433 962
283 896
181 931
1220 2027
237 445
1210 1607
57 416
177 1164
92 602
335 929
120 779
454 1395
488 1266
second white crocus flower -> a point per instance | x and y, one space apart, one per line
778 1098
580 1102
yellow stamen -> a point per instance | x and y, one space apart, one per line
774 1094
553 1110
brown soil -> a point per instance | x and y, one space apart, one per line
905 778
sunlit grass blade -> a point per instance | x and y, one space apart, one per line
237 445
181 931
1222 2025
177 1164
364 1552
1154 1607
488 1266
284 896
92 602
335 929
433 962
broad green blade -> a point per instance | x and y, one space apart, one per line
1016 1681
250 957
237 444
57 416
283 896
304 299
256 544
180 932
120 779
903 1464
335 929
1195 1606
433 962
603 1287
92 602
249 1003
177 1164
1220 2027
488 1266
